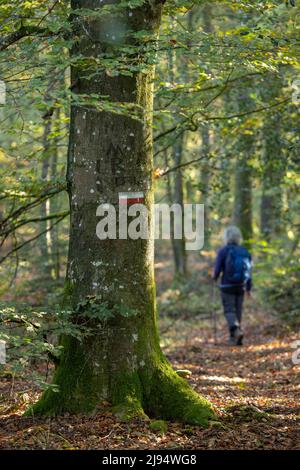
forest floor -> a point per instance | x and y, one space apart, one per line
255 389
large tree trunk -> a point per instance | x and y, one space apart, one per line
122 362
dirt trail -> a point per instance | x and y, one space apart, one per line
255 389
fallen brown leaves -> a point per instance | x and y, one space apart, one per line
255 389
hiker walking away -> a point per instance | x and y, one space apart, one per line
233 262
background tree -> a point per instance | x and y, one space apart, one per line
273 165
242 213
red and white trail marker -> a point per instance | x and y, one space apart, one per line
125 199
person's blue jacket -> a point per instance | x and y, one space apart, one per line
220 269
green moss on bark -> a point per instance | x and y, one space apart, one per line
153 389
168 396
159 426
127 397
81 385
67 294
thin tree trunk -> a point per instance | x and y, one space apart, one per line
122 362
205 180
206 143
242 214
178 245
273 169
178 198
44 240
54 206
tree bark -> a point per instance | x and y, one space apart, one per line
206 144
54 205
178 245
273 171
44 241
205 180
178 198
242 214
121 362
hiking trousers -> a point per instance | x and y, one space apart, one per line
233 308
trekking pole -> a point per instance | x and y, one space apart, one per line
214 312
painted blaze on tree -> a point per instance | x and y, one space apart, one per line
121 363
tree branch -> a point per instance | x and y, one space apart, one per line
183 165
22 32
16 226
31 239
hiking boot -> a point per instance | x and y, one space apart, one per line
231 341
238 336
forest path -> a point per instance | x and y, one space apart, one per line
255 389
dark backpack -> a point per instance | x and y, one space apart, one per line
237 265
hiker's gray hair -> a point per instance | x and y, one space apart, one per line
232 234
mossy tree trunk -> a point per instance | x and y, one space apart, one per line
121 363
